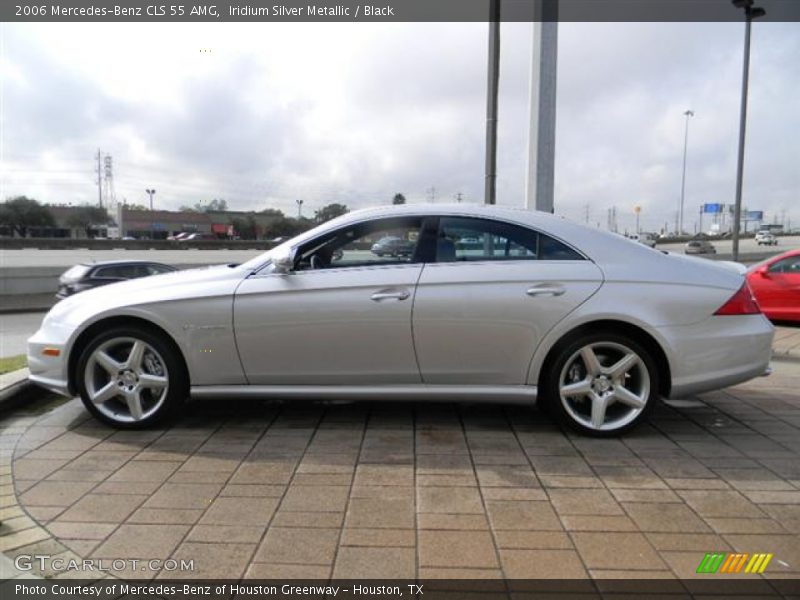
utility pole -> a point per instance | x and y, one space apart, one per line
492 87
299 209
687 114
151 193
431 193
586 213
750 13
701 218
99 180
458 197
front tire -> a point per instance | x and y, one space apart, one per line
131 378
601 384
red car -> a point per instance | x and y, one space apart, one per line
776 285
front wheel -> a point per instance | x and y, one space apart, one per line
131 378
601 384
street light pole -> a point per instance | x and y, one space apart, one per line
299 209
151 193
687 114
750 12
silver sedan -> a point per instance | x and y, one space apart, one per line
492 304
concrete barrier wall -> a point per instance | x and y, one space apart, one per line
103 244
34 288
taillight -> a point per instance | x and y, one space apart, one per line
741 303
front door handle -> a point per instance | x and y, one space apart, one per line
390 295
546 289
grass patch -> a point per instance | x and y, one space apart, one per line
12 363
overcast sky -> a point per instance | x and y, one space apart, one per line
353 113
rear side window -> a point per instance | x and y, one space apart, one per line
464 239
157 269
116 272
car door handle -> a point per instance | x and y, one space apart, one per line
389 295
546 289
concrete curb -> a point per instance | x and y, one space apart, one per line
13 385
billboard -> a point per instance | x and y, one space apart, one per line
755 215
712 208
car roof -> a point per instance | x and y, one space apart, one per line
105 263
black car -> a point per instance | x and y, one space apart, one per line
86 276
393 246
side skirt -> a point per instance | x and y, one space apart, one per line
501 394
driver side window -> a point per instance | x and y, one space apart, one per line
379 242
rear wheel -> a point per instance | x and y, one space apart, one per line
601 384
131 378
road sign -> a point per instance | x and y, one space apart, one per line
712 208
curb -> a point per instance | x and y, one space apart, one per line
13 386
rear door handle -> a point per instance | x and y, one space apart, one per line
390 295
546 289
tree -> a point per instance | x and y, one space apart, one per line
135 207
399 199
272 212
215 205
21 213
286 227
331 211
87 217
245 228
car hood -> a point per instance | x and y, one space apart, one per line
167 287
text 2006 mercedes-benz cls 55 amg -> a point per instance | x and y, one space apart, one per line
490 303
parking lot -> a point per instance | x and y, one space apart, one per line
401 490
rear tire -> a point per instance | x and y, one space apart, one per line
131 378
601 384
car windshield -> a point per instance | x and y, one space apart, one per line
75 273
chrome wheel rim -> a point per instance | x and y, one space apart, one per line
126 379
604 386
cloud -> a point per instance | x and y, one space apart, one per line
353 113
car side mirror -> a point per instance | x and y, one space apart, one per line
763 271
284 260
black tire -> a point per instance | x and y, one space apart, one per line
167 357
565 352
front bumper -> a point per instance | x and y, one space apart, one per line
49 371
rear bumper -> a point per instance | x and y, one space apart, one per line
719 352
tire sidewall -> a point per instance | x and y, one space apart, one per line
563 353
178 380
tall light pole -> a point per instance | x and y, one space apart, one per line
492 86
687 114
750 12
299 209
151 193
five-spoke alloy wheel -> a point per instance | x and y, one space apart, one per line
130 378
601 384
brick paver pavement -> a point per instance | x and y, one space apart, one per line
261 489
